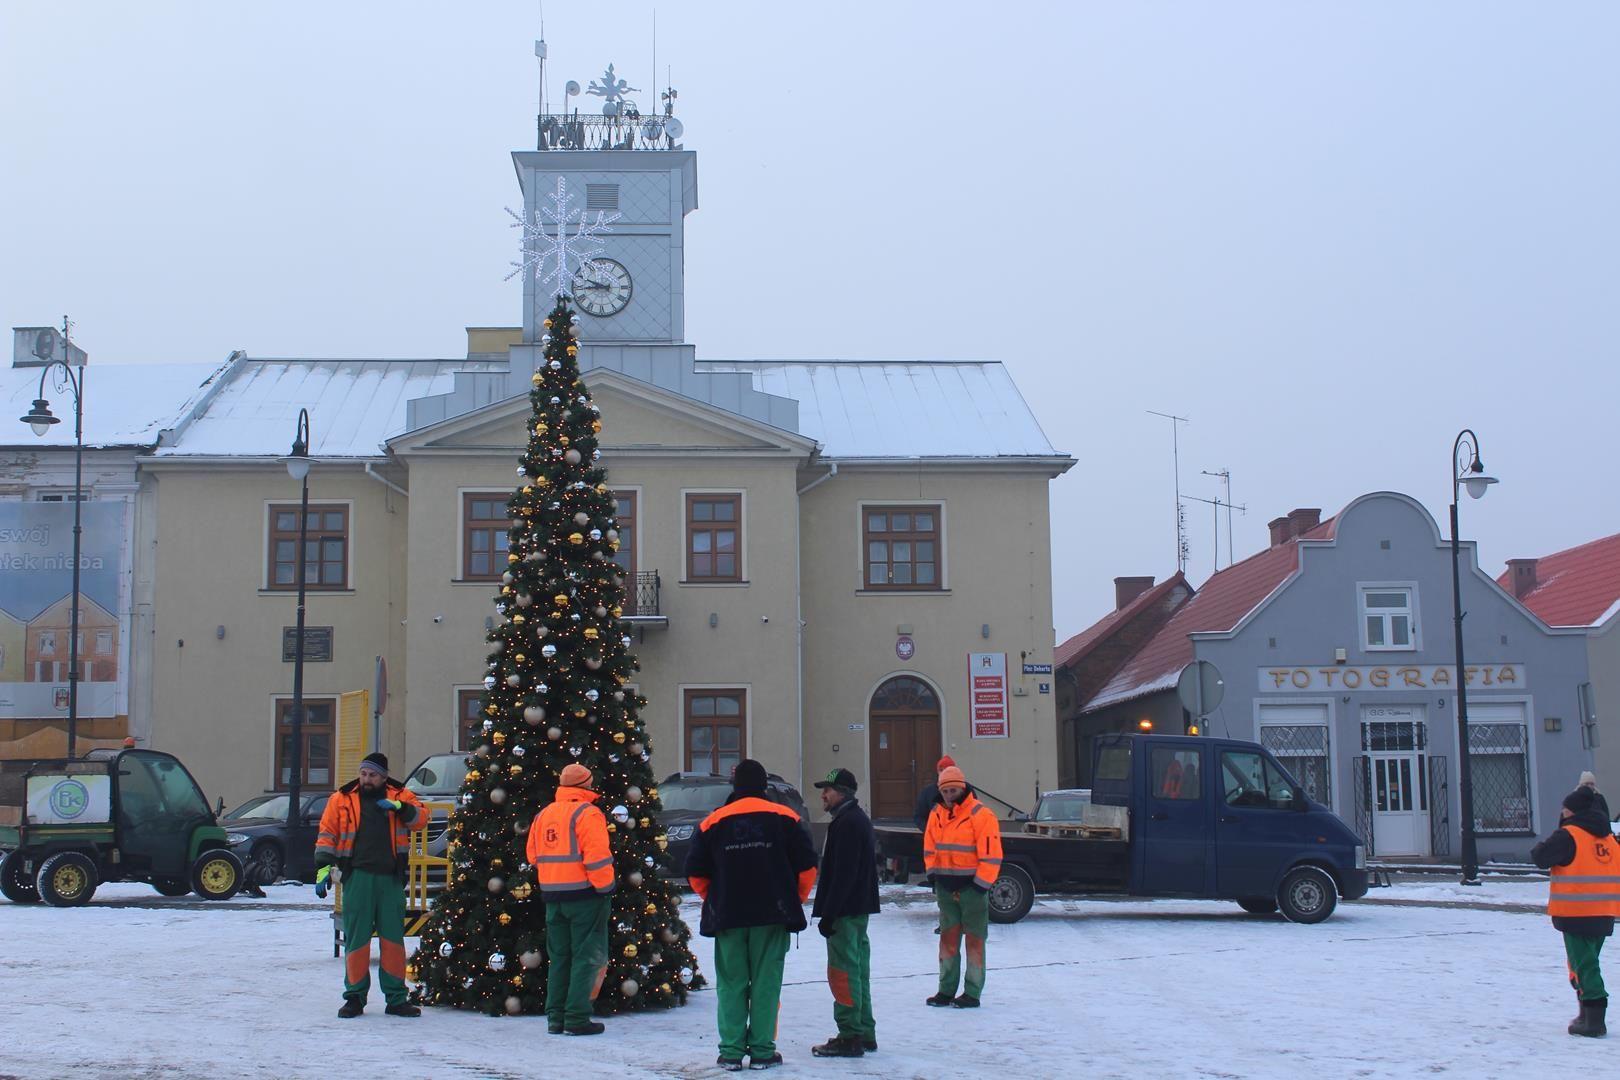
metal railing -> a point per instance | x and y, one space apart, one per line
632 131
641 599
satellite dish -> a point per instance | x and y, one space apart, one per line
674 128
571 88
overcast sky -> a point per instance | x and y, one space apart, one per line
1330 234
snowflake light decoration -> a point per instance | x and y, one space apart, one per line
557 254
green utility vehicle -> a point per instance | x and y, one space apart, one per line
112 815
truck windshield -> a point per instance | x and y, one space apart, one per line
179 791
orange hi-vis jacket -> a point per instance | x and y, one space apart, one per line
568 845
340 821
963 843
1590 884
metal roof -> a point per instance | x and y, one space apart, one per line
903 409
124 404
354 405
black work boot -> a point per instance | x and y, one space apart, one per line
869 1045
941 1001
1590 1022
966 1001
839 1046
404 1008
589 1027
353 1007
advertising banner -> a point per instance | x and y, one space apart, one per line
987 696
36 589
69 800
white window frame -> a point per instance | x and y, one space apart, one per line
1414 628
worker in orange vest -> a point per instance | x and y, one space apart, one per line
1583 898
364 841
568 845
962 853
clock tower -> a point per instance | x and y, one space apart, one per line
633 292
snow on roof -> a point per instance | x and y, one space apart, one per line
903 409
354 405
124 404
1579 586
1219 605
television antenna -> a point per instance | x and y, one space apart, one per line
1225 476
1182 548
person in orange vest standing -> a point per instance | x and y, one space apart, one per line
568 845
1583 898
962 853
364 841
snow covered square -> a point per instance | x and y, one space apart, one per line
1405 984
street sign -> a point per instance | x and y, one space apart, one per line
1037 669
1201 688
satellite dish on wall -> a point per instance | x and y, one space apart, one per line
674 128
570 88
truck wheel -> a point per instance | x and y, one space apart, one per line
171 886
16 884
216 875
1258 905
1012 895
1307 895
66 879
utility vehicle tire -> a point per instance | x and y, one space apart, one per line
66 879
1258 905
216 875
1307 895
171 886
16 884
1012 895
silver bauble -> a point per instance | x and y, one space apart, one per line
497 961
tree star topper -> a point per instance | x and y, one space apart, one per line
556 254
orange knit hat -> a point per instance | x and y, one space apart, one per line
951 775
575 775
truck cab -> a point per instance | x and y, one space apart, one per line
1222 819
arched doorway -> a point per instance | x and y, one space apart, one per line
903 721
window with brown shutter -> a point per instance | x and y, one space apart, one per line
902 547
326 547
714 537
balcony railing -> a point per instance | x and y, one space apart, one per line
641 599
632 131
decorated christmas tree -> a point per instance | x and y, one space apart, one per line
554 694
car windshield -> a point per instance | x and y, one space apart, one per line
1061 807
440 774
701 796
259 806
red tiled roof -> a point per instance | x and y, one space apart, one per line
1093 635
1219 605
1576 587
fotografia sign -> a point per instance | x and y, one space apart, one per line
1391 677
987 696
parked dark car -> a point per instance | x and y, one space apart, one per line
438 778
689 797
257 832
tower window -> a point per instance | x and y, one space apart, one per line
601 196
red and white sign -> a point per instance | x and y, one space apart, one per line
987 695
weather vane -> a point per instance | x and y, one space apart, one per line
612 90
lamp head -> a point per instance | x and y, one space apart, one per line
39 417
1476 480
297 460
297 465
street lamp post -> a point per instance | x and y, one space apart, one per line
40 419
1467 472
298 467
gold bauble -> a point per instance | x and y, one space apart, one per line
573 350
506 590
535 378
563 439
512 557
520 658
576 538
515 770
645 822
630 951
663 842
612 827
542 481
618 611
503 918
579 714
664 987
521 892
517 619
651 908
590 632
547 324
618 737
499 737
560 599
527 490
596 426
492 710
541 429
473 775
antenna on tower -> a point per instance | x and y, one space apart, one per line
1182 548
540 55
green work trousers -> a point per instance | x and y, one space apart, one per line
962 914
849 973
1584 974
373 904
748 965
577 956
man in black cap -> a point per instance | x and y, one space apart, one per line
1583 898
846 895
752 862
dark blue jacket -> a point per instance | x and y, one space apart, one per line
848 884
752 863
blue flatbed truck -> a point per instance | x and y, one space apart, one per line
1199 817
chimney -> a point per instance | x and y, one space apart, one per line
1127 589
1303 520
1521 576
1279 531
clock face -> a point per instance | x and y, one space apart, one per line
602 288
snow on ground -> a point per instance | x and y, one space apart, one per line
138 986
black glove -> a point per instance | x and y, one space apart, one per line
827 927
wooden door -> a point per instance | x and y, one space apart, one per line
903 726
